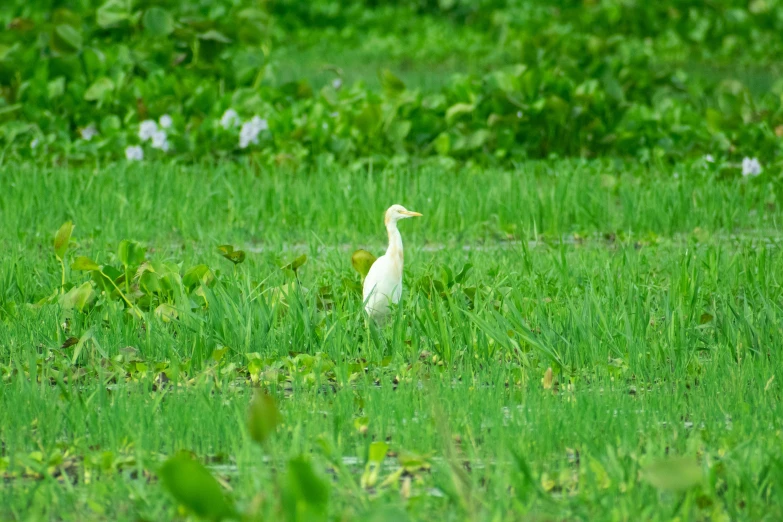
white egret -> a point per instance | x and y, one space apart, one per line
383 284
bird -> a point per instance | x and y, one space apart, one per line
383 284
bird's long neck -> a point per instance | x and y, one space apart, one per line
395 241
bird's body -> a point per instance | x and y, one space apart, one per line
383 284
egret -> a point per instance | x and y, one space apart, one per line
383 284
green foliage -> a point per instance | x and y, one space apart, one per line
263 417
235 256
604 342
650 81
673 474
362 261
193 487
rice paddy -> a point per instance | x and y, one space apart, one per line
576 341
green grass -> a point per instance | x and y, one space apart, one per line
655 299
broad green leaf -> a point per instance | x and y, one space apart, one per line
113 13
158 22
362 261
83 263
391 84
263 417
166 312
67 39
673 474
130 253
56 87
369 119
296 263
62 239
215 36
78 297
197 275
457 110
195 488
378 451
398 130
235 256
442 144
306 485
375 458
99 89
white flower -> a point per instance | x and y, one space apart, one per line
250 131
134 153
34 143
160 140
337 83
147 129
519 114
88 132
334 114
709 159
230 119
165 121
751 167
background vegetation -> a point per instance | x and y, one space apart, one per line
592 310
486 82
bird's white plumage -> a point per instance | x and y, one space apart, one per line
383 284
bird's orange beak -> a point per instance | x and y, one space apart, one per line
410 213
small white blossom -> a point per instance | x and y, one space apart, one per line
34 143
337 83
147 129
250 131
709 159
334 114
519 114
160 140
751 167
134 153
88 132
230 119
165 121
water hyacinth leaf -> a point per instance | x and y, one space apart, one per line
362 261
263 417
391 84
214 36
457 110
197 275
398 130
56 87
62 240
78 297
377 452
99 90
166 313
112 13
195 488
130 253
67 39
673 474
296 263
305 484
235 256
375 457
158 22
83 264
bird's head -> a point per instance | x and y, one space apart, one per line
398 212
